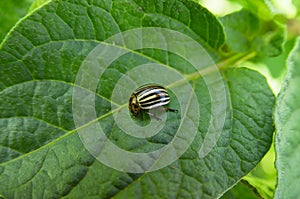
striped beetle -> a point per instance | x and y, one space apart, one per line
149 97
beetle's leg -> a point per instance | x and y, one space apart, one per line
171 110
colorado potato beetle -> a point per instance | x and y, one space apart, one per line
149 97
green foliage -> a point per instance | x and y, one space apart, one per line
42 152
297 5
277 65
38 3
261 8
263 177
287 137
241 189
246 32
10 13
241 28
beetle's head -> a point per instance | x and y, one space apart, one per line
133 105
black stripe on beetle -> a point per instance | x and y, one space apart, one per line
144 96
149 97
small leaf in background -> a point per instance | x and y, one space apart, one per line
272 38
287 137
247 33
261 8
241 28
276 65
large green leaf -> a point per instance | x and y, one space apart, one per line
41 153
287 125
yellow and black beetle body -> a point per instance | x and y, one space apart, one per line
149 97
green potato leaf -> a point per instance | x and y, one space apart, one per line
42 152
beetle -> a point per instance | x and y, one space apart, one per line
147 97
